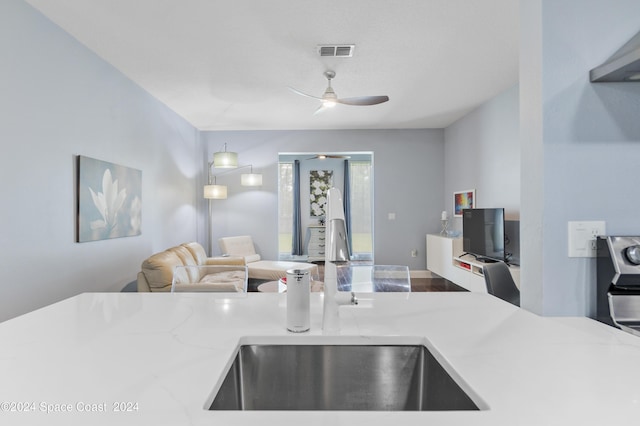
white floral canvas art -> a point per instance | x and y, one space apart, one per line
319 184
109 200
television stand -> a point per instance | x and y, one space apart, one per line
469 263
485 260
475 266
446 258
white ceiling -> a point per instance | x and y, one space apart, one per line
226 64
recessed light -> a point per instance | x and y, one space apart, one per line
634 77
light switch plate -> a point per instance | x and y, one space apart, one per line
582 237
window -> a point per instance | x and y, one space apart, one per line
285 209
361 200
361 210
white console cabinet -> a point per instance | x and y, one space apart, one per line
316 243
444 258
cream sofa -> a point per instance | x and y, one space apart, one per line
208 278
189 264
269 270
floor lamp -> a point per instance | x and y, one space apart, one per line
213 191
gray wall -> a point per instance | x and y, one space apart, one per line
60 100
581 144
408 173
482 152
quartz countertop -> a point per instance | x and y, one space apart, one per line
154 359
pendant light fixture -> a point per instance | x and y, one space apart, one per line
215 192
225 159
251 179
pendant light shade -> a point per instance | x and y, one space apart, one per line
215 192
251 179
225 159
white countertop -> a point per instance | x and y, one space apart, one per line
165 352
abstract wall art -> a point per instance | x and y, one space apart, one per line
463 200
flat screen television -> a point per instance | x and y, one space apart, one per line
483 234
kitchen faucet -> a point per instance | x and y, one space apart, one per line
336 253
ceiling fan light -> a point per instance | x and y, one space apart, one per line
328 103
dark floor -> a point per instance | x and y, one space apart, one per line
417 285
433 284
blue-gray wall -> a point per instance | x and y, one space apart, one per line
59 100
580 144
483 153
408 173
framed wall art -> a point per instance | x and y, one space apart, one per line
109 200
463 200
319 184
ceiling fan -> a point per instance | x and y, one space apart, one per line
329 156
329 98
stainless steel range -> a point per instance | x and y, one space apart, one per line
618 294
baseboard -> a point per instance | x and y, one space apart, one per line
422 274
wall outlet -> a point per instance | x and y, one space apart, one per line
414 253
582 237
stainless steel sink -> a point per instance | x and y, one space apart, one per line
338 377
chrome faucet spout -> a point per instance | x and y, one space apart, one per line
333 299
337 251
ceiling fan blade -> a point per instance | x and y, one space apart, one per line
320 109
363 100
330 156
302 94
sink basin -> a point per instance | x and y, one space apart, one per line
338 377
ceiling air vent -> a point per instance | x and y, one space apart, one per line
340 50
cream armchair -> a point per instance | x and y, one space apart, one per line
157 271
269 270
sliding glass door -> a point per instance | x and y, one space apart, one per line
360 199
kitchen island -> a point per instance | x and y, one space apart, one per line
154 359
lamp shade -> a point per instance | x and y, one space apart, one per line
215 192
251 179
225 160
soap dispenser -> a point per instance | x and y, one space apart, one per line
298 303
